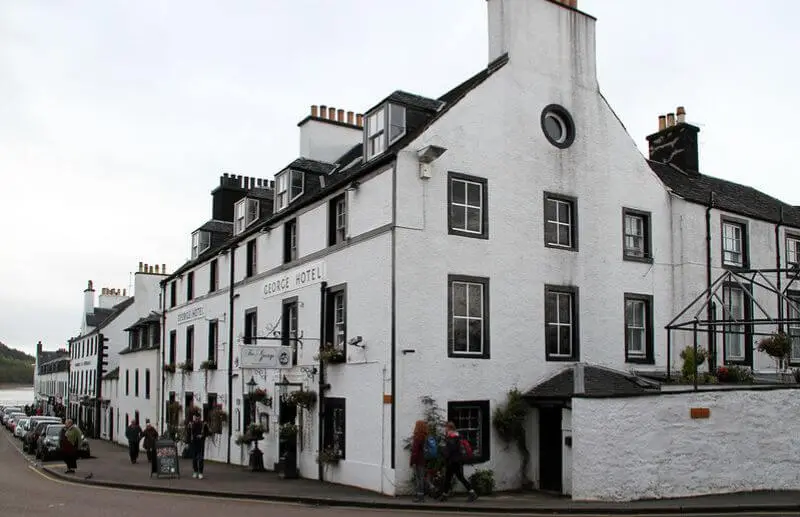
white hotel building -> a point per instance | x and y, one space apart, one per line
457 247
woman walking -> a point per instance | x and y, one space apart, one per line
418 461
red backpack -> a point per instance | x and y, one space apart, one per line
466 449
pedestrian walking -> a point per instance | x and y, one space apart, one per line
456 452
423 448
69 441
134 436
149 437
198 433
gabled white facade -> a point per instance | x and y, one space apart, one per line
548 247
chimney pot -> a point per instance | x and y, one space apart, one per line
156 268
323 111
140 267
164 268
662 122
340 115
331 113
314 110
670 119
360 120
124 292
350 117
681 114
146 268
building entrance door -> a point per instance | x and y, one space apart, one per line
550 456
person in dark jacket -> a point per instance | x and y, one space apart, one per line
134 436
69 440
198 432
149 437
418 461
454 463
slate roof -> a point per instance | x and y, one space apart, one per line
150 318
112 375
217 226
728 196
315 166
260 193
97 317
597 380
339 177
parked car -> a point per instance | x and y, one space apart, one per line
11 421
39 423
48 445
22 428
7 411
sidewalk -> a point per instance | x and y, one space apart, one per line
110 466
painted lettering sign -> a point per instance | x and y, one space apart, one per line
191 314
296 278
258 356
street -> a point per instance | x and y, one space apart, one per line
29 492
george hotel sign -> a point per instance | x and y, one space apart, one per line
294 279
191 314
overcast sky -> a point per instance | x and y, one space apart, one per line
117 117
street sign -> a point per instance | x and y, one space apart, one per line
261 356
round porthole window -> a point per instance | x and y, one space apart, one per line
558 126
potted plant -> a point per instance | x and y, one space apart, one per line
303 399
208 364
330 354
169 368
186 367
256 431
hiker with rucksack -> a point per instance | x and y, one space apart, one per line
423 449
456 452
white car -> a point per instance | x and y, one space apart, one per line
13 418
22 427
7 411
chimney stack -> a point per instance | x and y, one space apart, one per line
331 113
323 111
360 120
340 115
350 117
314 110
676 142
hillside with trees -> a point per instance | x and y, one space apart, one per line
16 367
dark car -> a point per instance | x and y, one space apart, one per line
48 446
32 436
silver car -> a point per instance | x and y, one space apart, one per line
22 428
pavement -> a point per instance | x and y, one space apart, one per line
110 467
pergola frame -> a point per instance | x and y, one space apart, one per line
751 282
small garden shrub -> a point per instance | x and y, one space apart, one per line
482 481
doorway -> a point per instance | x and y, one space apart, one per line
550 452
111 424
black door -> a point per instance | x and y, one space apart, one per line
111 424
550 448
287 415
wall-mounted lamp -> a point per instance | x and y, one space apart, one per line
355 341
310 371
406 351
428 155
353 186
266 229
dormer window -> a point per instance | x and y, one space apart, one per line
246 213
383 131
201 241
289 187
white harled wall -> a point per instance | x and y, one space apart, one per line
744 445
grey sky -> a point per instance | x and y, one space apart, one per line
117 117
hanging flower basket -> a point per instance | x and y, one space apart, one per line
169 368
186 367
303 399
329 456
778 346
260 395
330 354
288 431
256 431
209 364
217 419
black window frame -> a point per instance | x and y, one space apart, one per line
647 238
648 357
287 305
173 347
213 276
335 406
484 183
744 225
337 235
136 383
127 382
330 317
573 212
213 340
486 330
747 292
190 286
147 383
483 451
251 268
173 293
290 253
250 325
574 293
793 295
189 345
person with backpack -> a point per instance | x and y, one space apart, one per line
423 449
457 451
